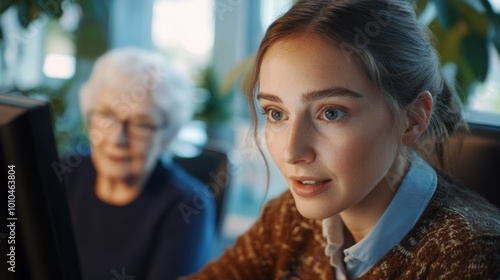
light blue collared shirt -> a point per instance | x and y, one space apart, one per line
405 209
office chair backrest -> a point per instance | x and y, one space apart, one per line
477 164
211 167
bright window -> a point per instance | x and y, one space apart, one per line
271 10
486 97
184 30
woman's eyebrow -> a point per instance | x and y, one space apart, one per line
268 96
314 95
329 92
142 115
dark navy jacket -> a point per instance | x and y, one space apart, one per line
167 232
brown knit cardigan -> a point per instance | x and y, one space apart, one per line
457 237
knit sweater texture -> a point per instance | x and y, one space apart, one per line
457 237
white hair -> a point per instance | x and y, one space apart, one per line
135 73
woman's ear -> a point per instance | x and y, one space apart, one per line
418 115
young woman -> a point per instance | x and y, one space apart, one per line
356 110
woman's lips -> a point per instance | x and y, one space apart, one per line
309 187
118 158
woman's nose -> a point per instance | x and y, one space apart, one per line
119 134
298 147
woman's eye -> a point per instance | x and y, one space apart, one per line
144 124
275 115
333 114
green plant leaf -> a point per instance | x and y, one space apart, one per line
462 35
494 20
477 22
52 8
448 12
240 71
474 51
448 40
420 6
5 5
464 81
218 107
495 37
26 13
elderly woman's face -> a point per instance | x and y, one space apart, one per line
126 133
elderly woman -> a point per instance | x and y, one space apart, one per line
134 214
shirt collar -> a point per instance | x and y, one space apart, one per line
410 200
334 235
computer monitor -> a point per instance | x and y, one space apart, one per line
36 236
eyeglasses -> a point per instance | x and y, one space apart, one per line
108 122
